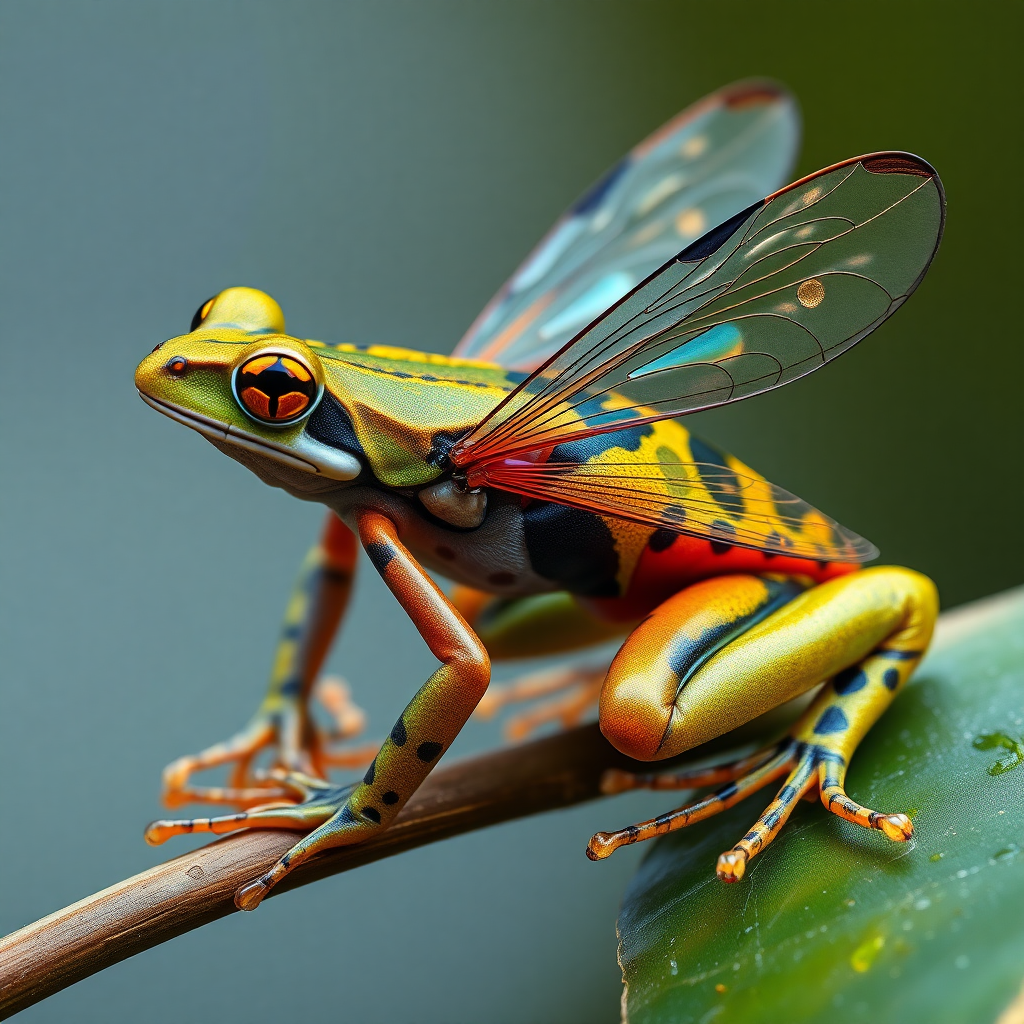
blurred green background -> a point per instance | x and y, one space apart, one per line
380 169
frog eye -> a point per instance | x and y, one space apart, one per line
201 313
275 388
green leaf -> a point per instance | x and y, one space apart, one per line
833 923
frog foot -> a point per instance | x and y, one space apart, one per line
296 744
577 688
806 766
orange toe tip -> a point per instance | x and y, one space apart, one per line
157 832
731 866
897 827
602 845
250 896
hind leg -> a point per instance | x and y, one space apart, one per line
534 626
707 661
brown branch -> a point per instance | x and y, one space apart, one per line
199 887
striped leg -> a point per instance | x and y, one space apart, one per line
311 802
604 844
706 661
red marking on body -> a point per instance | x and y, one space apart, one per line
660 574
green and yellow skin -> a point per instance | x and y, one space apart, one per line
715 634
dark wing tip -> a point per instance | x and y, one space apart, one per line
897 162
753 91
714 239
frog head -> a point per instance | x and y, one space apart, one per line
308 416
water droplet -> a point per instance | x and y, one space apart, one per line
1007 852
923 904
673 968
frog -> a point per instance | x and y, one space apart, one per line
544 470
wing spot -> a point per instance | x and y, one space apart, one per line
810 293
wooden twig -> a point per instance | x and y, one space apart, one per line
199 887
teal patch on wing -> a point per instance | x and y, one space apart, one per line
719 342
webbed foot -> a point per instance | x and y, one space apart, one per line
807 767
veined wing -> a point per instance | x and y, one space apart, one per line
777 291
774 293
722 501
706 164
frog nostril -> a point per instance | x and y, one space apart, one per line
156 348
176 366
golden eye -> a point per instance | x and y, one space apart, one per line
201 313
275 388
176 366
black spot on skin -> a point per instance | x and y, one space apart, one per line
372 813
330 425
771 819
428 751
850 680
662 820
380 554
662 540
573 548
390 797
891 678
787 794
291 687
722 475
717 237
585 448
721 547
370 772
442 551
398 733
501 579
632 833
832 721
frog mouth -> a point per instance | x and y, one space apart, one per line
306 455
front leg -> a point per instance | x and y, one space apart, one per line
421 735
282 723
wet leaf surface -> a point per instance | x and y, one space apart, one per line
836 924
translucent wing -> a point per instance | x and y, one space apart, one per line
772 294
723 501
711 161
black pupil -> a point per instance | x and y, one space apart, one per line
274 383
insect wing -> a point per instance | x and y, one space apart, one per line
712 160
770 295
722 501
